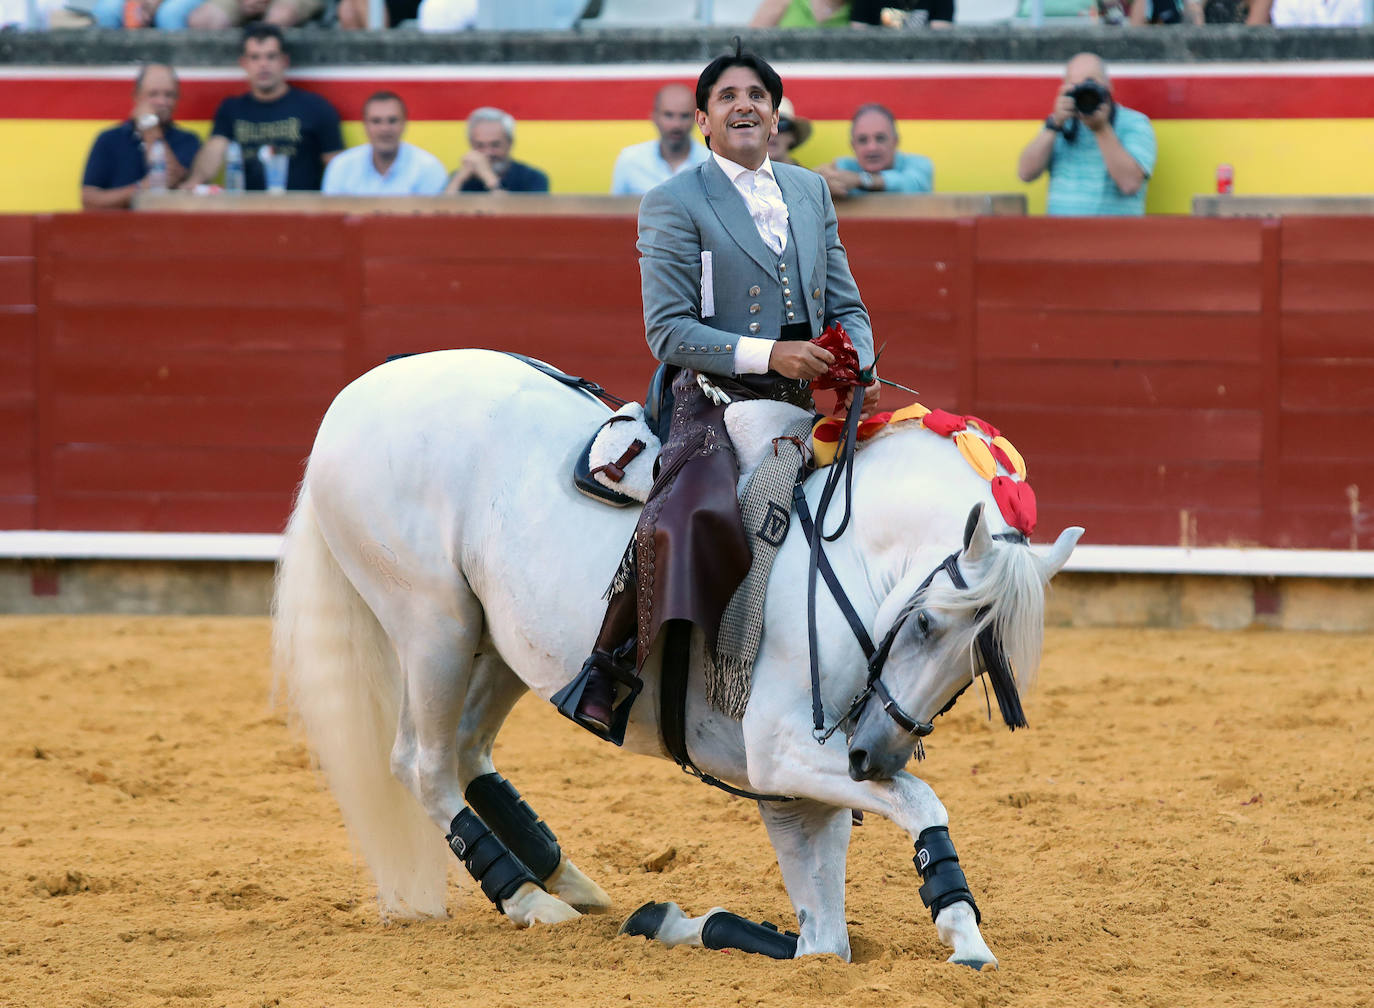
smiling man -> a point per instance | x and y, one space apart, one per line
386 165
877 164
741 267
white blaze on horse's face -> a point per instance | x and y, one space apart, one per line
933 654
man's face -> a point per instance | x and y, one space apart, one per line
674 117
264 63
490 138
874 140
384 122
158 93
739 117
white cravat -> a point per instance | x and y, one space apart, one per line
763 198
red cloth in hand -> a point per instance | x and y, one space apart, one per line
844 372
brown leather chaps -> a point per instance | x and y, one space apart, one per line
689 552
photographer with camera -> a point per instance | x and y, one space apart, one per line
1099 153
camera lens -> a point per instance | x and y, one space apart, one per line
1088 96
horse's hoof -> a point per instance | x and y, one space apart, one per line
574 888
647 921
977 965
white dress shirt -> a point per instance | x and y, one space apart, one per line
766 206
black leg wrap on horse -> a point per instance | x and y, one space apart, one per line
944 880
496 869
724 930
498 803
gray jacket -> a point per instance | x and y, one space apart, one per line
700 210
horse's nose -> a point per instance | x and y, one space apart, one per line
859 767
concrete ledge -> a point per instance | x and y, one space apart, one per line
317 46
244 588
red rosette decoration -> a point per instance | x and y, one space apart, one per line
1016 501
844 372
943 422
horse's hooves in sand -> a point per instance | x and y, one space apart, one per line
575 889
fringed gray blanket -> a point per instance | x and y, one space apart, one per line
766 507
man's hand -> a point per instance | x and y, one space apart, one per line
1100 118
867 408
840 181
141 111
799 359
1064 108
478 164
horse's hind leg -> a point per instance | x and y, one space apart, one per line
492 687
439 669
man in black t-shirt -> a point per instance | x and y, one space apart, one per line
272 115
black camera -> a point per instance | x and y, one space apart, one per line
1089 96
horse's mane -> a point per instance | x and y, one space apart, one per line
1013 594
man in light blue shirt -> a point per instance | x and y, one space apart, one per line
642 166
1099 153
878 166
385 165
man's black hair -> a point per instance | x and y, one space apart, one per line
262 30
739 58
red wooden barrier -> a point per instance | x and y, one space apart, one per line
18 374
1171 380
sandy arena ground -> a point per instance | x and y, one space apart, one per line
1189 821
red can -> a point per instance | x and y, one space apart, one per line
1226 179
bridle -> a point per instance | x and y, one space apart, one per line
990 649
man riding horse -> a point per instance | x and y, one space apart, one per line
741 269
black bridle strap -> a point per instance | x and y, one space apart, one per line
819 562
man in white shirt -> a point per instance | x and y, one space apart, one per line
642 166
741 267
385 165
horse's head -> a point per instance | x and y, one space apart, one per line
981 611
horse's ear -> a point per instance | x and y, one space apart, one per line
1059 552
977 538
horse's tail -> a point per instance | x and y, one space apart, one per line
340 675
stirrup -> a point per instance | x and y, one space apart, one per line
620 668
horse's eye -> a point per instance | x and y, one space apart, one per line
923 624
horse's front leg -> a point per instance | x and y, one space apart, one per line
792 763
811 841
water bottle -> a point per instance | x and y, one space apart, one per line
233 167
157 166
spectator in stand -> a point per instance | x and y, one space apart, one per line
846 13
1306 13
642 166
217 15
878 166
1164 12
118 161
792 132
386 165
272 114
1099 153
488 166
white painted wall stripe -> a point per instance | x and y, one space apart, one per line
208 546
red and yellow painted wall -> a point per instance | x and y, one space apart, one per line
1287 128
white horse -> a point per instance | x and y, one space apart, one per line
439 563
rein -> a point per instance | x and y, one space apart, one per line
990 651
